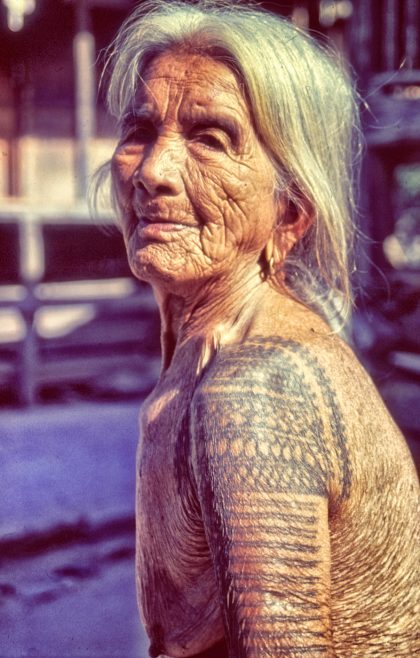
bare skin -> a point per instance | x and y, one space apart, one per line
277 503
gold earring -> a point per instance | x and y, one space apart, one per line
270 269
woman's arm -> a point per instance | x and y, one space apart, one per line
263 471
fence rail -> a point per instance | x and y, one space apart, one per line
50 270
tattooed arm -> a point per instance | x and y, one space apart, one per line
264 477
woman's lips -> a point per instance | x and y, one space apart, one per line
159 227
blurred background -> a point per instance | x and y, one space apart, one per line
79 337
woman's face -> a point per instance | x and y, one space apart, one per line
193 184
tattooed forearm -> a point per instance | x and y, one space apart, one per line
265 422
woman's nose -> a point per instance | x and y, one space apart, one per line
159 171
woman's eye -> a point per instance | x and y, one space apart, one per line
210 140
139 133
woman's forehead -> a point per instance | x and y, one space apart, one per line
193 77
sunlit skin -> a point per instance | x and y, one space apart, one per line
196 186
275 497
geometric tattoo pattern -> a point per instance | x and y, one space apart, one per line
266 395
269 433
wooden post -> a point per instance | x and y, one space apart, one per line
30 272
84 61
390 36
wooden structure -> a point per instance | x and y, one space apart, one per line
112 330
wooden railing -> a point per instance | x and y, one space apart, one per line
50 265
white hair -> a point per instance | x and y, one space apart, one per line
304 111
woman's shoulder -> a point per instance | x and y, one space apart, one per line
290 358
284 356
309 391
276 389
285 330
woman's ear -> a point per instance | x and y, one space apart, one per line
292 223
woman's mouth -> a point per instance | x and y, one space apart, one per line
158 228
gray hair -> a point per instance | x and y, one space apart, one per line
304 111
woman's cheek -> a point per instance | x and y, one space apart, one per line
123 164
122 169
211 209
214 244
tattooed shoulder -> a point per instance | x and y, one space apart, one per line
267 411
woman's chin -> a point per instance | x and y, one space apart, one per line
161 272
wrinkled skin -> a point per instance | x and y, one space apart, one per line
277 504
192 156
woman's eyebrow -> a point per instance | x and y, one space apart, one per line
137 114
224 122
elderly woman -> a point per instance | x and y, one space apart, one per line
276 502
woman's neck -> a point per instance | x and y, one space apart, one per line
219 309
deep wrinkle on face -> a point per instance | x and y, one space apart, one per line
194 185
